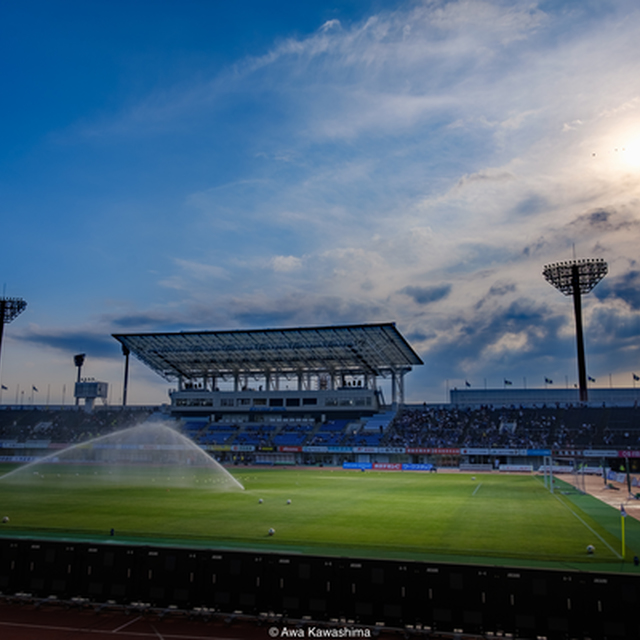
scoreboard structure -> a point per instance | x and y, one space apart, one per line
89 390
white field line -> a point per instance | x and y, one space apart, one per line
157 633
476 489
126 624
595 533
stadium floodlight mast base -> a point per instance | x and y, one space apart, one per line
576 278
10 309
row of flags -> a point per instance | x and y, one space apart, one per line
33 388
508 383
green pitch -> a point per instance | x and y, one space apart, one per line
453 517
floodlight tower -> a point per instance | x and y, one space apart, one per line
10 309
577 277
78 360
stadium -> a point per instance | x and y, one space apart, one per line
279 486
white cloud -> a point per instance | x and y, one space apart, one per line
330 24
286 264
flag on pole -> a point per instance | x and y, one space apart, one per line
507 382
591 379
635 377
467 383
34 389
623 515
5 388
548 381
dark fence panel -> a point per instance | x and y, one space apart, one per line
430 596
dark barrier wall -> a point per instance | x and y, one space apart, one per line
442 597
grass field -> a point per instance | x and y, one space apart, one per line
453 517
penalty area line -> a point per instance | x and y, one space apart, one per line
595 533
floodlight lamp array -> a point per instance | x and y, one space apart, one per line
11 308
588 271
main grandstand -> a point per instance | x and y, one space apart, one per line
287 373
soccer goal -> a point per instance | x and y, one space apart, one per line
569 469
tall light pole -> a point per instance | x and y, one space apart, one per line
576 278
10 309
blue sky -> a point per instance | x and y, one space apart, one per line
216 165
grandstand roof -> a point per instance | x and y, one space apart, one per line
376 349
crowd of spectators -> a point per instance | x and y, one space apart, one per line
517 428
424 427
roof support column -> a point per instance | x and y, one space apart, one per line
125 386
401 387
397 387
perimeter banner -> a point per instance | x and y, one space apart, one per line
417 467
356 465
628 454
387 466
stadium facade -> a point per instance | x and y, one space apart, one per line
507 397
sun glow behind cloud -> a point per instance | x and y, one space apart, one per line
630 153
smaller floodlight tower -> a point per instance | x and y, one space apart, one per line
577 277
10 309
78 361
